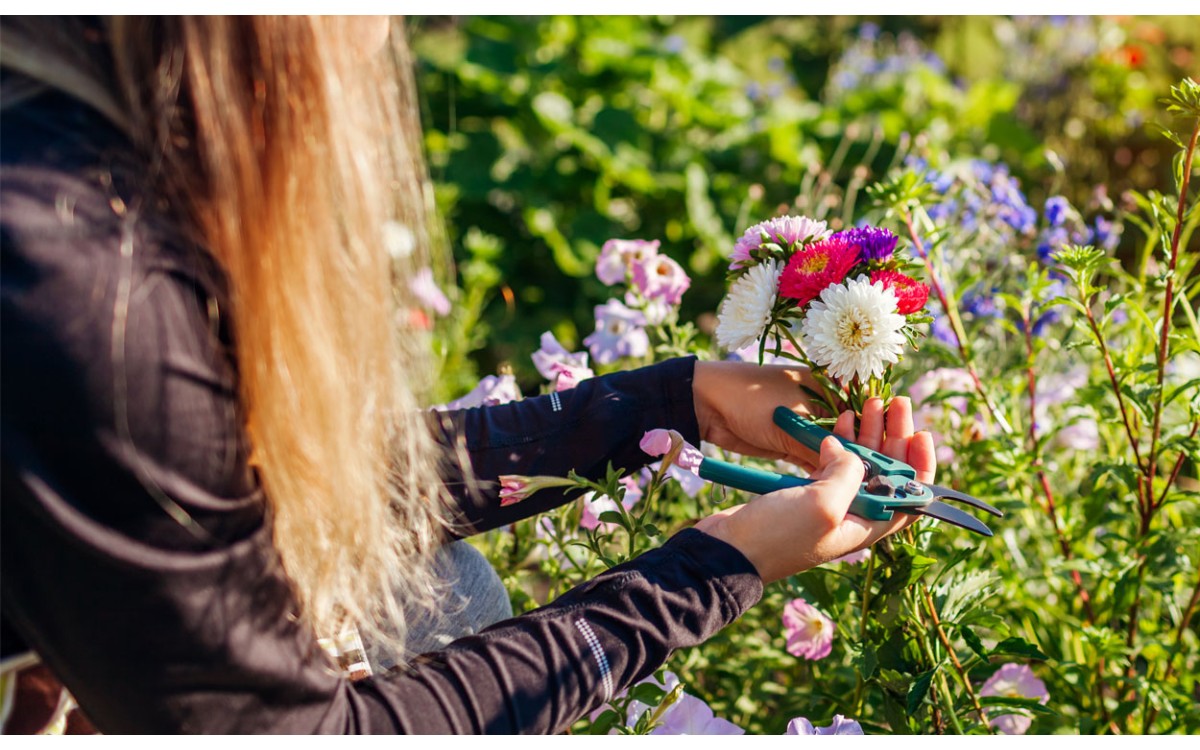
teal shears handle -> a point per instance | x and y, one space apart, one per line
810 436
865 505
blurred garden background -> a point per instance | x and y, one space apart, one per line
1036 168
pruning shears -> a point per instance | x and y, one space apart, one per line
889 485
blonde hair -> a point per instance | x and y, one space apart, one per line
286 145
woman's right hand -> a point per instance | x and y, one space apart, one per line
789 531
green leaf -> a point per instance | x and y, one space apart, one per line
648 693
1030 704
919 689
974 642
1019 647
604 722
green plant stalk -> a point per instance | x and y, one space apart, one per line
860 683
943 695
958 667
1175 470
1149 712
960 336
1150 507
1112 375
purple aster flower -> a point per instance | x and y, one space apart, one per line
618 256
1050 242
1056 210
426 290
1105 233
942 331
690 715
809 632
492 390
551 354
784 231
619 333
874 243
1014 681
840 725
660 277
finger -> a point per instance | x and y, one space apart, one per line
870 431
845 425
840 475
922 456
899 428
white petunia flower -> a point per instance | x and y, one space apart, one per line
854 329
746 310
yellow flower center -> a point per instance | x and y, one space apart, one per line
814 263
854 330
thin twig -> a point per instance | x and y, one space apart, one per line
958 667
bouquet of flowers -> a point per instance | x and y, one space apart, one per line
843 303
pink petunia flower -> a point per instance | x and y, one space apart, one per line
619 333
514 487
809 633
840 725
816 267
617 257
491 390
567 376
553 353
1014 681
594 505
690 715
659 277
426 290
662 442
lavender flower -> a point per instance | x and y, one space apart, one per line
619 333
1056 210
690 715
840 725
1014 681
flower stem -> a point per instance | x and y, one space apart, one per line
862 630
958 667
960 336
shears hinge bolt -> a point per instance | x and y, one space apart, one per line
913 488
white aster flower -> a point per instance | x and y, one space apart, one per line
746 310
854 329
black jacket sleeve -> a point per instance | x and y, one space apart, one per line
584 428
155 628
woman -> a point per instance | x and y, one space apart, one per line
212 443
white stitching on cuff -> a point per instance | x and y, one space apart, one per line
555 402
593 643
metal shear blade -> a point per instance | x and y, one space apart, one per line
949 514
974 502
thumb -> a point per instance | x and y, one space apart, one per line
840 470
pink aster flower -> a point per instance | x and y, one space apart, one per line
671 445
553 353
660 277
594 505
426 290
492 390
618 256
619 333
816 267
1014 681
809 633
840 725
567 377
785 231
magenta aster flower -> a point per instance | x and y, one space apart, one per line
426 290
873 243
809 633
840 725
817 267
1014 681
553 353
617 257
660 277
618 333
785 231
